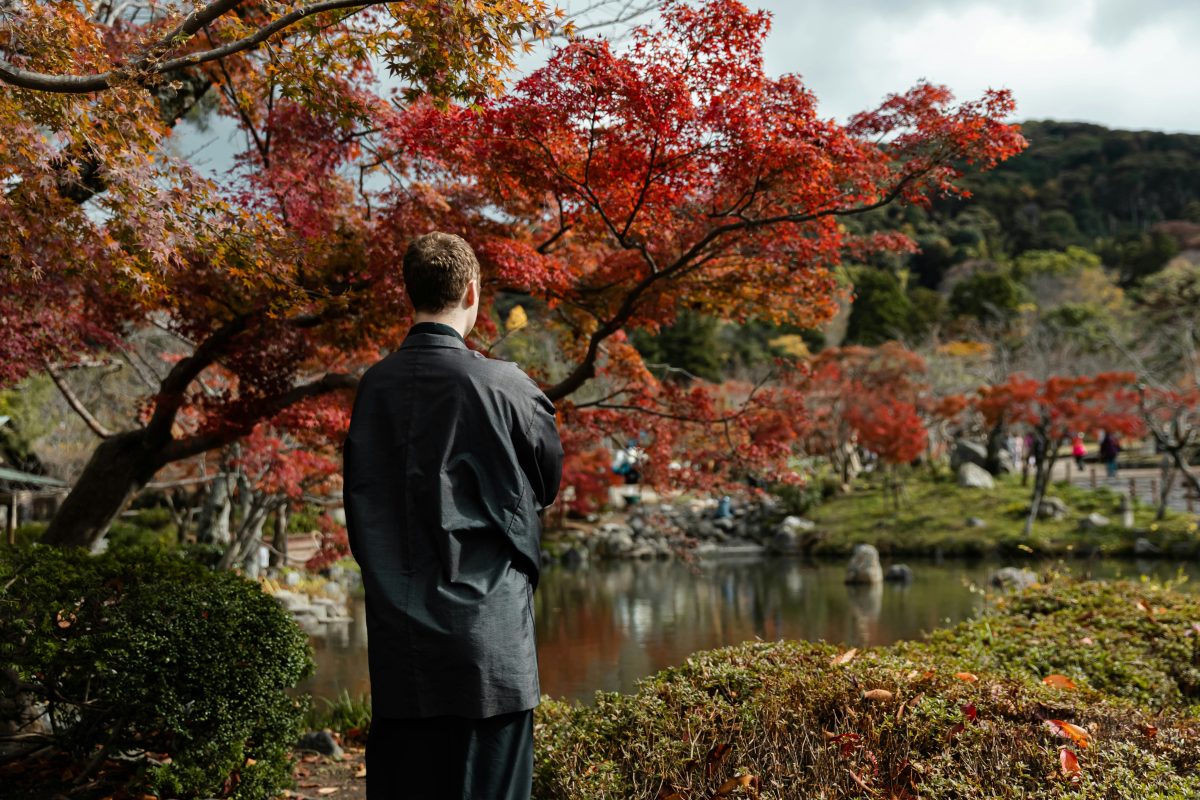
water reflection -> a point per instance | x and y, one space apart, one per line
607 626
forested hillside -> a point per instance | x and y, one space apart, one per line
1073 231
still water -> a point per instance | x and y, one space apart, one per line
606 626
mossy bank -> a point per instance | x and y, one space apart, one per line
939 518
967 714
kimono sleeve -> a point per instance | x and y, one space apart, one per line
539 450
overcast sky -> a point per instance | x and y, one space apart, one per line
1122 63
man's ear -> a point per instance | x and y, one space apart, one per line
471 294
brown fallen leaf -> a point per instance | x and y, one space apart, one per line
1060 682
361 772
715 757
969 677
877 695
327 790
844 658
1150 730
742 781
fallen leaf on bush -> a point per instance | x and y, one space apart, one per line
1150 730
742 781
877 695
847 742
955 730
65 620
1068 731
969 677
844 658
1059 682
909 704
715 757
361 772
1069 762
970 712
1085 640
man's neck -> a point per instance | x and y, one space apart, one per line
456 321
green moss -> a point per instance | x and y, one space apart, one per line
933 521
803 727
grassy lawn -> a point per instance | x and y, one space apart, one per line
934 513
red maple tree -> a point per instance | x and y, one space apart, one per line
1054 410
611 187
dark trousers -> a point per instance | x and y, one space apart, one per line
451 758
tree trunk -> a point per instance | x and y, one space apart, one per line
213 527
118 468
995 443
279 542
1168 482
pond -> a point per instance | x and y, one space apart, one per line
605 627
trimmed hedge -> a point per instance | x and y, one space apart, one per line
179 672
964 715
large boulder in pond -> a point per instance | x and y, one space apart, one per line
972 476
1012 578
1145 547
864 566
966 452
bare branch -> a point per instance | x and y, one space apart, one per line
76 404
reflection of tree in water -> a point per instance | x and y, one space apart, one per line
607 626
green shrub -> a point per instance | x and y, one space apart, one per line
960 716
29 532
147 654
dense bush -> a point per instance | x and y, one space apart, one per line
965 715
180 671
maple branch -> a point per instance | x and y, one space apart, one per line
260 409
585 370
149 63
171 391
75 403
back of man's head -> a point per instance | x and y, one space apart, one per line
437 268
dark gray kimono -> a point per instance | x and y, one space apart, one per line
449 460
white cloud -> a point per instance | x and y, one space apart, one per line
1120 63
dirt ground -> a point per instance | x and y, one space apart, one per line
319 776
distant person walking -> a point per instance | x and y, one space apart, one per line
1078 450
450 458
1110 448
